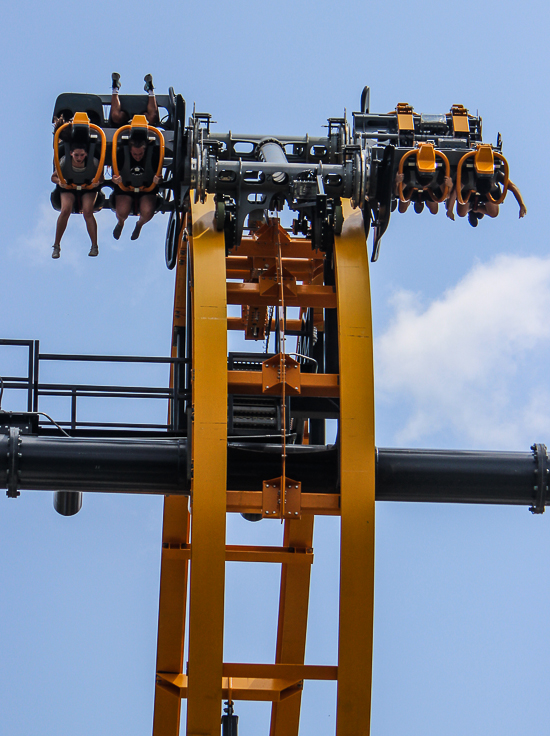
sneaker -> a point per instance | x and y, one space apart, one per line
117 232
94 250
472 218
56 251
148 79
115 76
137 230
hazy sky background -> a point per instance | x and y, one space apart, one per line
461 326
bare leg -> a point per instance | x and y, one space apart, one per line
146 211
88 201
118 115
432 206
489 208
123 207
462 209
67 202
152 113
403 206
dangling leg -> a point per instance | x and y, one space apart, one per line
403 206
152 113
146 211
123 207
118 115
88 201
67 203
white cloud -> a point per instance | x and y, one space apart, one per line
467 363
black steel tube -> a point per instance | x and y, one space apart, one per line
106 465
455 476
142 465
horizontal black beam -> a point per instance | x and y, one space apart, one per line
159 466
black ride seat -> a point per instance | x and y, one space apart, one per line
138 177
480 173
80 132
70 103
55 199
424 177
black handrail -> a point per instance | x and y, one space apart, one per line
34 388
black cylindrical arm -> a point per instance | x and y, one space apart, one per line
455 476
159 466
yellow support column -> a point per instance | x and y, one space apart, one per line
356 477
172 608
208 486
292 630
174 571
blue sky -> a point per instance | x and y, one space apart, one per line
461 329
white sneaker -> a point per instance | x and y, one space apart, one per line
94 250
56 251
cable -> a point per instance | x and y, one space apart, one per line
43 414
307 357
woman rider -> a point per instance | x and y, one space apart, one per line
85 200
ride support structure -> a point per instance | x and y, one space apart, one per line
246 431
204 270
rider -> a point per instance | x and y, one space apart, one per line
121 117
124 200
479 204
419 204
85 200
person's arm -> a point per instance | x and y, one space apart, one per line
519 199
58 122
398 180
450 204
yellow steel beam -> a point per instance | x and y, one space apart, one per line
292 627
251 502
281 671
266 689
239 323
312 384
249 553
172 608
357 458
307 295
173 572
208 485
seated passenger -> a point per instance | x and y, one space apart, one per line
84 200
119 116
419 197
145 201
480 205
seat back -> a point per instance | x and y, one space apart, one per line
88 136
138 176
69 103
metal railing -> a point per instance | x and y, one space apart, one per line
35 389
